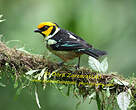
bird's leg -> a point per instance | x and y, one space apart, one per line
78 64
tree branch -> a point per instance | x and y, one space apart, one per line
87 81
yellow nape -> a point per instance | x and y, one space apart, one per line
45 24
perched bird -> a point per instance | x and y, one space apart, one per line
66 44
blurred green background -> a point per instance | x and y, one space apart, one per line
106 24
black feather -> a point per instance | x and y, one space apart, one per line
94 52
65 43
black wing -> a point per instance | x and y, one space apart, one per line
67 46
65 42
77 44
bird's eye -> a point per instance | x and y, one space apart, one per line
44 28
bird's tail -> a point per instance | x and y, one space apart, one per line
94 52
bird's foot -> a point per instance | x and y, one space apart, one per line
77 67
78 64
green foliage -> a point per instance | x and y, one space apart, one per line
98 100
106 24
1 20
97 66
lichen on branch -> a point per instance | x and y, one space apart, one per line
107 85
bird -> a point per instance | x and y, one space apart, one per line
65 44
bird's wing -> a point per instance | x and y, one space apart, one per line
67 41
77 47
68 46
79 38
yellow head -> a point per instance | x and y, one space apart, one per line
46 28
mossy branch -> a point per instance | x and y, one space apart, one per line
22 62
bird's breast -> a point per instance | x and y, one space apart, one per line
64 55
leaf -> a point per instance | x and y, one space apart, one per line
121 82
16 84
31 72
104 65
129 91
94 64
2 85
92 95
97 66
108 92
19 91
117 81
23 50
41 74
123 100
54 72
44 79
2 20
1 16
37 99
77 105
68 91
98 100
125 83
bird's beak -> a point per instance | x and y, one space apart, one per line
37 30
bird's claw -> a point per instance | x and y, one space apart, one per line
77 67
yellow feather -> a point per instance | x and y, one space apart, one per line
45 24
48 31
